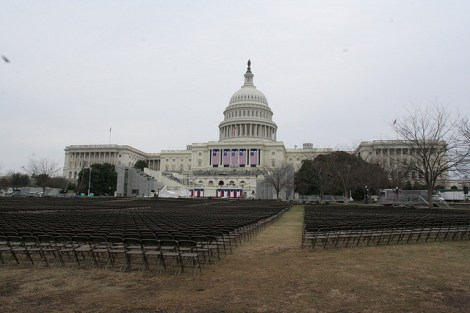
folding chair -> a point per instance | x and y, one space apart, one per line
152 250
18 248
33 247
133 246
65 247
6 248
99 251
189 255
170 254
116 250
49 247
82 247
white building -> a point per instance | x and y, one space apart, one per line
392 155
229 167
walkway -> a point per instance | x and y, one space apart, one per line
285 234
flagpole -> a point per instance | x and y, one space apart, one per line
110 135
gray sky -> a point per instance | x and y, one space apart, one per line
161 73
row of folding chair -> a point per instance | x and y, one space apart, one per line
111 252
338 237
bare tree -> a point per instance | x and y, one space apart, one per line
435 143
323 168
18 180
281 177
42 170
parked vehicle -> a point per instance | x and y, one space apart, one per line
453 194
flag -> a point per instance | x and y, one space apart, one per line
253 156
110 129
226 158
215 157
234 160
242 158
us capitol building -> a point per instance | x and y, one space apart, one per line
229 167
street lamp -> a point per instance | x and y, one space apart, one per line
366 195
256 188
242 184
89 180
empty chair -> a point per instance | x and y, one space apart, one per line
5 250
82 248
152 253
170 254
99 251
19 250
34 248
189 255
65 249
116 250
49 246
202 247
134 247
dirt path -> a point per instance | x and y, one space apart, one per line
284 234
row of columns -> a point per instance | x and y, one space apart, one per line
248 130
154 164
76 158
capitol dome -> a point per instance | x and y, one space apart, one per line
248 94
248 115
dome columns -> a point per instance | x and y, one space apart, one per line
248 130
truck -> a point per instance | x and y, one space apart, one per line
453 194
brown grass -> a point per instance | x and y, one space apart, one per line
268 274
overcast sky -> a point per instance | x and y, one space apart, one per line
161 73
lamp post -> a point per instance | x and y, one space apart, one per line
366 195
396 193
256 188
241 192
89 181
148 187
